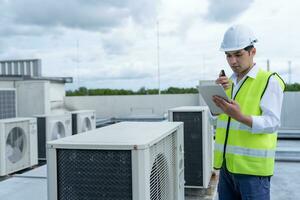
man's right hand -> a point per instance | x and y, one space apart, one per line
224 81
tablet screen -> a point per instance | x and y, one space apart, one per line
208 91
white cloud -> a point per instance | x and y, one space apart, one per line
118 39
226 10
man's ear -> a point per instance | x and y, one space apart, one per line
253 51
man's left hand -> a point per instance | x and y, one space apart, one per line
232 109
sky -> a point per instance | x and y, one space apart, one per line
131 44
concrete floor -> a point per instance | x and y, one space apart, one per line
285 184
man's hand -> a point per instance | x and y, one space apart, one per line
224 81
232 109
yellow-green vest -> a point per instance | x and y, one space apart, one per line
246 152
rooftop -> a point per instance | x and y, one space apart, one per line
284 184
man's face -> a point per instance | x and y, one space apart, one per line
240 61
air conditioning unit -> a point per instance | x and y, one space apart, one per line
127 160
7 103
83 120
198 142
18 143
52 127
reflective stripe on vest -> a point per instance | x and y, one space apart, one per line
245 151
234 125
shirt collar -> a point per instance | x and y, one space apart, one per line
252 73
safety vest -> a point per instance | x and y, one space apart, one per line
246 152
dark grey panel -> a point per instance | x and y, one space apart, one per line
15 66
94 174
193 157
28 70
41 129
9 68
7 104
3 69
37 71
22 67
74 124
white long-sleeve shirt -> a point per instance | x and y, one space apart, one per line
270 104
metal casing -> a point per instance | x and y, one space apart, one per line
83 120
140 148
198 142
12 157
52 127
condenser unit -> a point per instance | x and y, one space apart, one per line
198 142
18 144
83 120
52 127
7 103
127 160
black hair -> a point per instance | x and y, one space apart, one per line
249 48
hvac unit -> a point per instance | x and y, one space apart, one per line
198 142
18 144
83 120
127 160
28 67
52 127
7 103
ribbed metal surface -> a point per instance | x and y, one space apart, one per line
7 104
162 177
193 147
94 174
21 67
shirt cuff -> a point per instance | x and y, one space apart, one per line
257 124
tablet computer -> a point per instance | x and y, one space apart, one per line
208 91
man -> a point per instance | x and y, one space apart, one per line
246 132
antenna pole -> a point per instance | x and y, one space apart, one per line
77 61
158 67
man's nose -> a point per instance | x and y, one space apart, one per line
232 60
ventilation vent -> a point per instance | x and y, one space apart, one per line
7 104
94 174
162 174
193 146
87 125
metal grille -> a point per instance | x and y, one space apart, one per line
94 174
7 104
21 67
193 146
162 177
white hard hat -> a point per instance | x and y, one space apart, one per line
237 37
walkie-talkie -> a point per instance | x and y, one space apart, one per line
222 73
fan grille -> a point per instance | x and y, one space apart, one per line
15 145
162 177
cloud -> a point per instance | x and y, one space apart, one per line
124 73
226 10
91 15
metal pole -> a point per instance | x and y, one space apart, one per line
290 71
77 62
268 65
158 67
